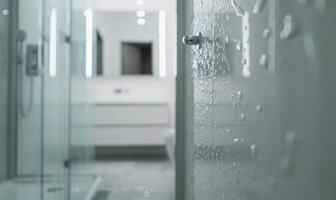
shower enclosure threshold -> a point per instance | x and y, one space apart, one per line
29 188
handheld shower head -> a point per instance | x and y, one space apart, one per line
21 36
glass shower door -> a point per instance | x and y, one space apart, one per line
35 105
21 103
26 128
56 99
82 63
258 80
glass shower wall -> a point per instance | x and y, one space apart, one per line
28 111
56 98
68 155
44 143
263 100
82 64
20 105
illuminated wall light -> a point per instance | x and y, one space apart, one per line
53 43
140 2
89 42
246 45
162 42
141 21
140 13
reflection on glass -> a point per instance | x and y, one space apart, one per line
53 43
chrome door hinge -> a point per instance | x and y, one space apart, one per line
193 40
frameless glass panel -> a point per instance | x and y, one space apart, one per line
41 94
24 120
56 99
262 91
82 61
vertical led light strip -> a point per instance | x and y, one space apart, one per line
246 45
89 42
53 43
162 42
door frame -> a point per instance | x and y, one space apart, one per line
184 105
12 94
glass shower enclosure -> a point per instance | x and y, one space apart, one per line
37 139
257 93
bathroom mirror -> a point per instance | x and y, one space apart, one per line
127 43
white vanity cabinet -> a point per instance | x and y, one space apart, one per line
128 111
124 124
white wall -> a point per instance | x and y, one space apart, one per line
169 6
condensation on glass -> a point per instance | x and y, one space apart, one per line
263 100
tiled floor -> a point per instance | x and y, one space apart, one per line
30 189
137 179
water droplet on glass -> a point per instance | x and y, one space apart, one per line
290 136
239 46
234 165
201 3
288 27
259 108
288 160
239 11
253 150
240 95
226 39
222 196
242 117
146 193
266 33
227 129
258 6
263 61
